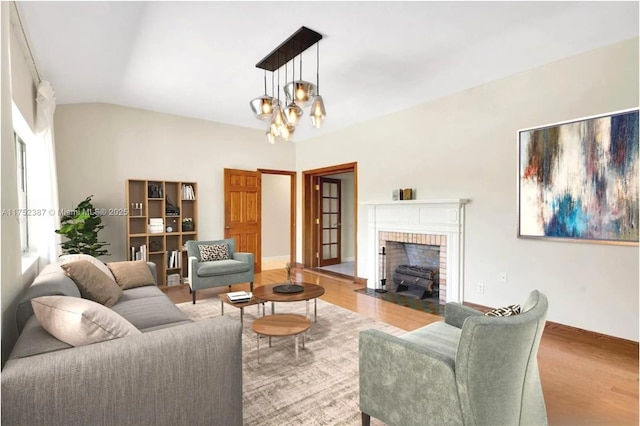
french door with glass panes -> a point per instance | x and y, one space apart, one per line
330 222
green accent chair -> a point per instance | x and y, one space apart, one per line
470 369
217 273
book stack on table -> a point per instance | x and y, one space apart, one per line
239 296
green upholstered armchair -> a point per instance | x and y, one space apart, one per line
217 273
470 369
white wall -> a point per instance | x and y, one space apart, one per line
99 146
464 146
276 216
15 80
24 85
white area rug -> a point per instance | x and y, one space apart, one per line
322 388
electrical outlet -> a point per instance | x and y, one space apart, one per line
503 277
481 288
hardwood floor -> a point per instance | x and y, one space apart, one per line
586 378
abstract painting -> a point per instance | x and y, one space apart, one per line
578 180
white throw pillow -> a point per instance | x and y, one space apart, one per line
80 322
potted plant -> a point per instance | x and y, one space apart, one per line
187 224
81 227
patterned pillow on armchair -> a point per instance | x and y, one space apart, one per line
209 252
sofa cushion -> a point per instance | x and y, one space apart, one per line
149 312
222 267
209 252
140 293
93 283
130 274
66 258
438 336
505 311
80 322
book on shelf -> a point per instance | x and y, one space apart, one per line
173 259
239 296
139 253
187 192
173 279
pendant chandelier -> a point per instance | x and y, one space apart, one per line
299 94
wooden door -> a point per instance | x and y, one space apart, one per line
242 212
330 222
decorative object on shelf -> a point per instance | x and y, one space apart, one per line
187 224
395 194
81 227
156 225
405 194
578 180
154 190
136 209
298 93
172 225
155 246
170 209
383 276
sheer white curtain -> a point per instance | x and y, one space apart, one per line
45 192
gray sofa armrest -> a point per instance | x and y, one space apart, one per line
152 268
455 313
394 371
189 374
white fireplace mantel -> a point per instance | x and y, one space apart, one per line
444 217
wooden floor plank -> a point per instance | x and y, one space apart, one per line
587 379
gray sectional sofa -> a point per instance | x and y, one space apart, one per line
177 372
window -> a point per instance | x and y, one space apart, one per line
21 162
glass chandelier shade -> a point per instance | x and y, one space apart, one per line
318 112
302 92
278 118
263 106
293 113
271 137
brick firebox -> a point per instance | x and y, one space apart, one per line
396 252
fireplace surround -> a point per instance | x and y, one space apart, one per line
429 222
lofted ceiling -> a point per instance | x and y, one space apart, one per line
197 59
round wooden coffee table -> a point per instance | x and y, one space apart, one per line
280 325
310 291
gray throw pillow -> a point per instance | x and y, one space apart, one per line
93 283
80 322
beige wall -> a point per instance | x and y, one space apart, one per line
464 146
276 216
99 146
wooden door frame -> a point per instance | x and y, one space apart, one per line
292 200
310 236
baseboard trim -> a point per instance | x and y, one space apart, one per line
568 331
